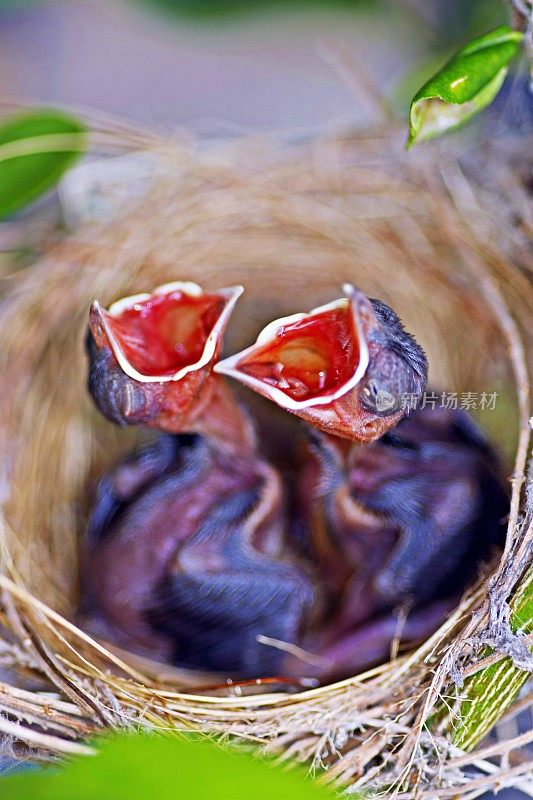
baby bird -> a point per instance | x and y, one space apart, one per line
401 524
184 560
347 367
151 360
201 554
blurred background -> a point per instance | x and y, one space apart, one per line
226 67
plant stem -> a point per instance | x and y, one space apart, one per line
488 693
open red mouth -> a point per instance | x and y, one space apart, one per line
166 334
306 359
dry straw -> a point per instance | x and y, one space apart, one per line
290 222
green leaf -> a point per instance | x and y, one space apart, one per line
142 767
36 148
466 84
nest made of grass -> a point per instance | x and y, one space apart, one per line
291 223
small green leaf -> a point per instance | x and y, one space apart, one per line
35 150
466 84
144 767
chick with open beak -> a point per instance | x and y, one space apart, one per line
199 552
345 367
185 555
151 362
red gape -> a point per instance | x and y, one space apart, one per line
151 363
310 357
166 332
342 367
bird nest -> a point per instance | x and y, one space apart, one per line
291 222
